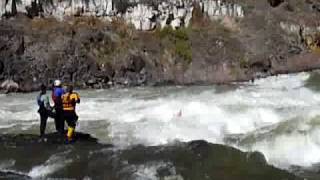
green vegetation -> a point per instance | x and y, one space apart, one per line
180 40
244 62
313 42
117 41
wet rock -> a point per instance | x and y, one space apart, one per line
257 157
1 67
202 160
12 175
50 139
91 82
87 158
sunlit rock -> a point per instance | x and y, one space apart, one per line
142 15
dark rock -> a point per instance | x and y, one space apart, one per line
1 67
257 157
91 82
137 64
13 175
295 50
87 158
50 139
34 10
275 3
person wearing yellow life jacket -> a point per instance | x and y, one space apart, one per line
69 101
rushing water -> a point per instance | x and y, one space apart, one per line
278 116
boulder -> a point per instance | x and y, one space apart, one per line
1 67
87 158
9 86
13 175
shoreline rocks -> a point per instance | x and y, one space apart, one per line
87 158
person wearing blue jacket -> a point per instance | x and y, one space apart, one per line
57 93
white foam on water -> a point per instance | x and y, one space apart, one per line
53 164
297 143
149 171
7 164
7 126
296 149
207 115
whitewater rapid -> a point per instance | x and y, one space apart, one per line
278 116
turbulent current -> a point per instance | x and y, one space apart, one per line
278 116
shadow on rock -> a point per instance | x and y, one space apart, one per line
86 158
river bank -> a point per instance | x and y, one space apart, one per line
258 39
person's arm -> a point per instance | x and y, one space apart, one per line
74 99
46 102
78 98
39 100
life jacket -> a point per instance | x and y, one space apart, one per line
69 101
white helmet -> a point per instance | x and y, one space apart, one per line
57 83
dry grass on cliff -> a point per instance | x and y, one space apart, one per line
40 24
313 42
69 23
87 21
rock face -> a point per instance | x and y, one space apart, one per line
143 15
88 159
98 44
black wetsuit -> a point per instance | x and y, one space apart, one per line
58 120
44 113
43 121
71 117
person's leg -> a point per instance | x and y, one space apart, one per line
71 120
56 120
51 114
43 123
60 121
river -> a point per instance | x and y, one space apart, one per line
278 116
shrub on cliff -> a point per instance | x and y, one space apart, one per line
313 42
180 40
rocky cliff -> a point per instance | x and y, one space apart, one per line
144 15
102 43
